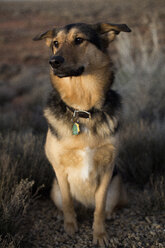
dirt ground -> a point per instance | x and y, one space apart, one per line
19 23
131 227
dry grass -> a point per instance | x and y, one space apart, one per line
154 195
140 80
140 74
14 204
24 171
141 151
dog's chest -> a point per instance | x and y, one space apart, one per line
81 177
84 165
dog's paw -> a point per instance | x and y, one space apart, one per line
110 215
101 239
59 215
71 227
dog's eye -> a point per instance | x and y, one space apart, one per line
78 40
56 44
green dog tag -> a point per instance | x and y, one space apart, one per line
76 129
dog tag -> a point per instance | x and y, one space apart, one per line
76 128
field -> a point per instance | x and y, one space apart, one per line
28 218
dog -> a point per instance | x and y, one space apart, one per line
83 115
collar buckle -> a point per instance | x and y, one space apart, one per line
81 114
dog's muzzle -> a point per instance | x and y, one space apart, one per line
61 70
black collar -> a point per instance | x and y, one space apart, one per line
81 113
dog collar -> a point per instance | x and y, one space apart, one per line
80 113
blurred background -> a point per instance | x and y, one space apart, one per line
24 85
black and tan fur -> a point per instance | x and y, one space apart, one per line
81 76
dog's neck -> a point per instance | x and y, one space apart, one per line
86 91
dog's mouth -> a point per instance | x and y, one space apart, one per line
68 72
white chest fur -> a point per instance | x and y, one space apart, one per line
87 162
83 169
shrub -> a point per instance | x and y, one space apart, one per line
140 80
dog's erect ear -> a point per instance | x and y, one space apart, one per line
48 36
109 30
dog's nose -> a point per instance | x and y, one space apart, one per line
56 61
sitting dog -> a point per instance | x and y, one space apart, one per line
83 119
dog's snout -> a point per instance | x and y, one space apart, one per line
56 61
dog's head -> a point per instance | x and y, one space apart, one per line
80 48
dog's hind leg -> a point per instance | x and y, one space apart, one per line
55 195
116 196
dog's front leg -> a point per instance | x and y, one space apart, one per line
70 223
99 232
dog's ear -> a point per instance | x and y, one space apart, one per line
109 31
48 36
